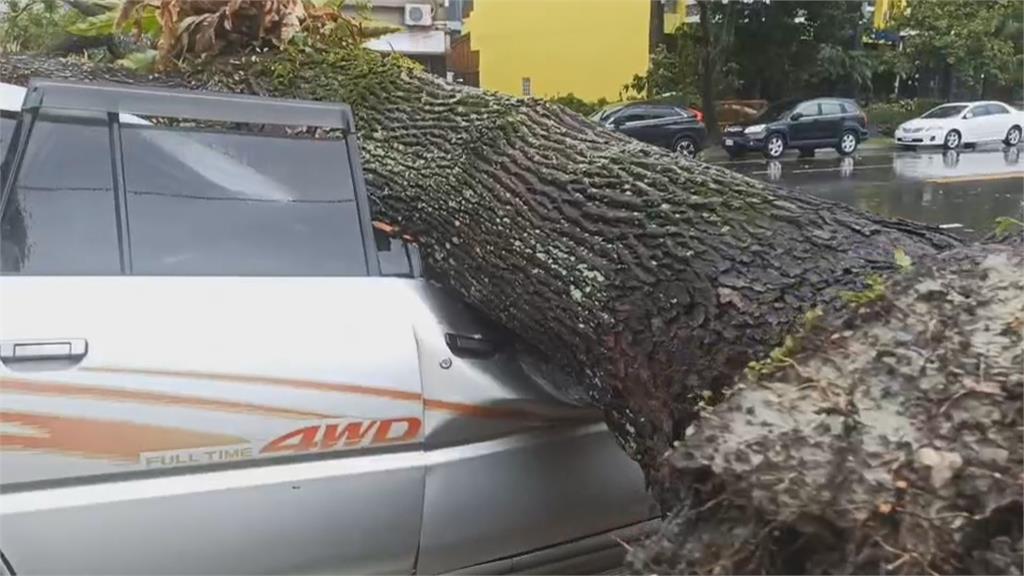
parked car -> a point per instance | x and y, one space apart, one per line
256 379
959 123
670 126
806 125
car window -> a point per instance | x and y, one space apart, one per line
635 114
831 109
60 216
808 109
946 111
205 203
664 112
996 109
978 111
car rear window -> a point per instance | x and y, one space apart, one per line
831 109
197 203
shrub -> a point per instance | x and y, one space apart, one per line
886 116
579 105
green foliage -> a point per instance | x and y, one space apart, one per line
782 356
886 116
32 25
874 292
143 61
979 40
1006 226
99 25
579 105
903 260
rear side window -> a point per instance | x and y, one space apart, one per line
831 109
979 110
996 109
60 216
206 203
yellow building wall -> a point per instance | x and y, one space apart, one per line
590 48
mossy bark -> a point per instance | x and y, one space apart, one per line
651 279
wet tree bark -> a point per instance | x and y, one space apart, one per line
650 279
889 444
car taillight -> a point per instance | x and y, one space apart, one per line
699 114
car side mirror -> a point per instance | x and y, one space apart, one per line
968 116
796 116
618 122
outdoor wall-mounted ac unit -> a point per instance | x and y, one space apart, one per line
419 15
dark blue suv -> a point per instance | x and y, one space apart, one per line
806 125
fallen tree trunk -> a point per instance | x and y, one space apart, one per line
890 444
651 279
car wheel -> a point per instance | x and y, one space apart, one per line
686 146
774 146
847 143
1012 136
952 140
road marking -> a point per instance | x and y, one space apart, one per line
1008 176
837 168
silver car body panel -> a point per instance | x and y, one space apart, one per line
242 425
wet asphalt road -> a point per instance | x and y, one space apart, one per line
963 191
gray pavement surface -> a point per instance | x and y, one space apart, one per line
963 191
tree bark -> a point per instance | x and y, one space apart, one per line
890 444
652 280
707 72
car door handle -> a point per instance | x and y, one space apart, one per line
470 345
16 351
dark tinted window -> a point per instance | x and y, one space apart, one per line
808 109
237 204
664 112
831 108
947 111
996 109
634 114
60 217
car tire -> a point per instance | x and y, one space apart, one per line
774 146
686 146
952 140
848 143
1013 136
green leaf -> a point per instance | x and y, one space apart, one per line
1005 226
139 61
902 260
100 25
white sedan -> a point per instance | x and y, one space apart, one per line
951 125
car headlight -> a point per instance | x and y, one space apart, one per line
754 129
933 129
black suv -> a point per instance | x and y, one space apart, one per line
674 127
802 124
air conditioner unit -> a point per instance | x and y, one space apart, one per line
419 14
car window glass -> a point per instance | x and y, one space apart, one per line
60 216
996 109
633 115
808 109
664 112
948 111
7 124
978 111
831 109
204 203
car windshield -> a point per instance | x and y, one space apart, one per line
605 113
945 111
776 111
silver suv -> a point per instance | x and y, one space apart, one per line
213 363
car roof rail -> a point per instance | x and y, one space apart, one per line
182 103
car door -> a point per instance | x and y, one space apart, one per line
635 122
805 129
201 372
830 124
977 124
999 120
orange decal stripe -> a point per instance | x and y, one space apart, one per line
103 439
268 381
478 411
36 387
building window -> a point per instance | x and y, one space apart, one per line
526 87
